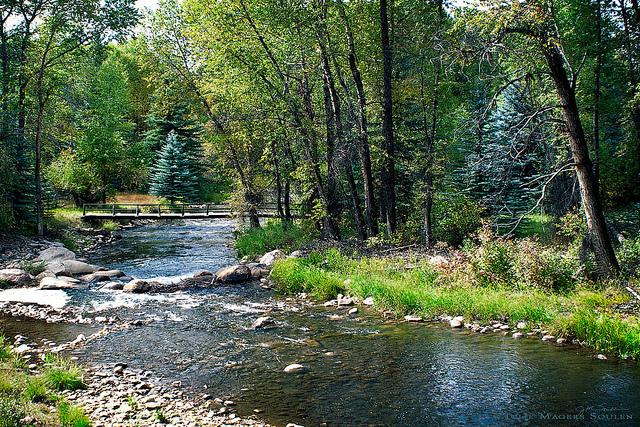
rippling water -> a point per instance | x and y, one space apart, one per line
359 371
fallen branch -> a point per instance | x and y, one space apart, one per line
633 292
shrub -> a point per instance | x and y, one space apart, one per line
110 225
11 412
275 235
456 217
33 267
629 256
72 416
5 349
62 374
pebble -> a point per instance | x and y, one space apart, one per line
517 335
548 338
294 367
412 318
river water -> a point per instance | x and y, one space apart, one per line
359 371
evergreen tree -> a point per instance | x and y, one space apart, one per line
174 176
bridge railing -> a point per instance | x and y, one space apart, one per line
145 209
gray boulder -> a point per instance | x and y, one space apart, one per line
113 286
270 258
15 277
233 274
102 276
55 254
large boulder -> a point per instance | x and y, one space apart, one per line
233 274
270 258
258 271
52 283
55 254
137 286
74 267
15 277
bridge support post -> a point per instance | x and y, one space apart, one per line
113 209
137 210
183 209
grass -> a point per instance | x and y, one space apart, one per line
275 235
33 267
23 393
62 374
581 312
136 198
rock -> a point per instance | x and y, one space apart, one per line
504 328
113 286
331 303
343 301
21 349
354 310
517 335
55 255
44 274
296 254
52 283
561 340
412 318
270 258
601 357
521 325
16 277
438 261
261 322
259 272
456 322
74 267
203 273
548 338
102 276
233 274
294 367
368 301
137 286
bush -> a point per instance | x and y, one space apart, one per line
629 256
62 374
5 349
33 267
11 412
110 225
72 416
275 235
455 218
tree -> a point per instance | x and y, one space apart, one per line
173 176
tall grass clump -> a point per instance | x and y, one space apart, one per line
62 374
275 235
72 416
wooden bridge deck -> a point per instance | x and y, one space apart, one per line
164 211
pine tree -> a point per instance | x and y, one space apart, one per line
174 175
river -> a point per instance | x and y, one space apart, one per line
360 370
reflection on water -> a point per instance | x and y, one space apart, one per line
358 371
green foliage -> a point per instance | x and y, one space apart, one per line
5 349
11 412
173 175
629 256
33 267
523 263
72 416
160 417
37 391
275 235
62 374
71 176
456 217
110 225
607 332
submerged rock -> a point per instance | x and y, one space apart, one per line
517 335
412 318
102 276
261 322
113 286
294 367
203 273
270 258
233 274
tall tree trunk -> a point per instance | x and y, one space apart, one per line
389 174
596 225
363 148
633 73
276 173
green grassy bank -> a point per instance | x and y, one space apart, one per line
494 282
28 399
